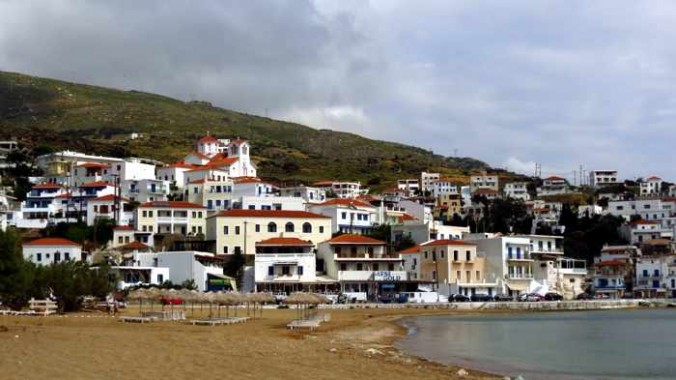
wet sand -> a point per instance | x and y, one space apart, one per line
355 344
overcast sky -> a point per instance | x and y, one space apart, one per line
562 83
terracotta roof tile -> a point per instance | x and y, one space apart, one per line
134 245
284 241
96 184
355 239
208 139
109 198
52 242
437 243
269 214
414 249
345 202
42 186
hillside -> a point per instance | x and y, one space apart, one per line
48 113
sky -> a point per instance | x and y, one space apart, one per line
513 83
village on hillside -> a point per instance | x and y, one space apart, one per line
475 238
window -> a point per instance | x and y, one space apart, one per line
360 266
194 214
321 229
271 270
285 270
150 213
390 267
343 215
272 227
458 275
119 240
160 278
236 230
67 256
478 275
425 255
307 228
145 213
441 254
468 255
343 267
199 214
252 207
468 276
455 255
299 270
225 249
226 230
39 257
376 266
238 249
289 227
258 228
57 257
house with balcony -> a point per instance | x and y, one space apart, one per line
349 216
240 230
361 264
410 186
642 230
215 195
516 190
454 267
45 203
412 260
171 217
651 276
48 251
341 189
110 207
269 203
601 178
145 190
553 185
175 174
426 180
609 277
484 180
423 232
651 186
508 262
90 172
670 276
126 234
444 186
287 265
447 207
308 194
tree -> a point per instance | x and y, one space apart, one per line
233 267
568 218
16 276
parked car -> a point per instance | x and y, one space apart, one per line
504 297
531 297
583 296
458 298
481 297
551 296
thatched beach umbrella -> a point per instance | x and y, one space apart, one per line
139 294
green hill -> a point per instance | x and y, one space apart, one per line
48 113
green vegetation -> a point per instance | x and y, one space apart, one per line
68 282
52 114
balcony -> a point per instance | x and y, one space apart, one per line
572 271
172 220
524 258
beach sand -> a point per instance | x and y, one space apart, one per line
355 344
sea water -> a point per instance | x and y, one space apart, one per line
614 344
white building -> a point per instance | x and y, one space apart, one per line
125 234
175 174
600 178
652 276
269 203
410 185
424 232
285 265
553 185
426 180
648 209
412 261
145 190
200 267
444 186
105 208
517 190
47 251
643 230
589 210
361 264
307 193
348 190
651 186
171 217
347 215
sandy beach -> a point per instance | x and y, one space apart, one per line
355 344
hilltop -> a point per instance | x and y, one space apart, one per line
53 114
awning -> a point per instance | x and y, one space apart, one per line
520 287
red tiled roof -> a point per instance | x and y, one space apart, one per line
96 184
134 245
554 178
41 186
323 183
180 164
355 239
220 162
208 139
641 221
52 242
93 165
654 178
414 249
485 191
197 181
124 228
407 217
247 180
109 198
345 202
284 241
237 141
611 263
269 214
437 243
170 204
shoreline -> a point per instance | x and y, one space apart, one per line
356 343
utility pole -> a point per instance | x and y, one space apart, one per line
582 181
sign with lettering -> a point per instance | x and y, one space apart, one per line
386 276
